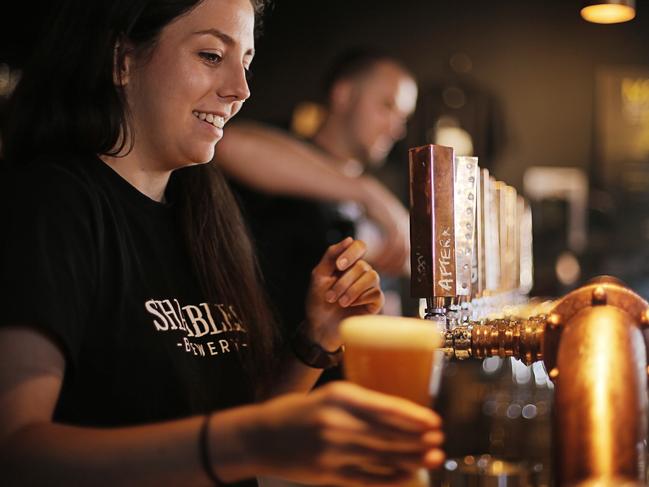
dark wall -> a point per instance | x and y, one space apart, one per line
537 57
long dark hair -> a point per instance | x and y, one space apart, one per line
67 103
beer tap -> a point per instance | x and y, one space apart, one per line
503 246
432 230
442 222
466 174
592 341
465 238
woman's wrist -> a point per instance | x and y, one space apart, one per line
204 448
316 352
234 450
320 334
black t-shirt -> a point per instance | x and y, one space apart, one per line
103 270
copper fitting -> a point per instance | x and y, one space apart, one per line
521 339
601 401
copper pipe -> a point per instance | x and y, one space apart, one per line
592 344
601 398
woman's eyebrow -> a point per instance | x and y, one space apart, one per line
223 37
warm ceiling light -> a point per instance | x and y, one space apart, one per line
608 11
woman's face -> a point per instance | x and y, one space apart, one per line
192 83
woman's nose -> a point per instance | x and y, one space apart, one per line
235 85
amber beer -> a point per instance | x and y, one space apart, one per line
392 355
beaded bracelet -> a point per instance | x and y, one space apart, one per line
204 448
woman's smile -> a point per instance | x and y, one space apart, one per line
217 120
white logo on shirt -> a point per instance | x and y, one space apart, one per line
195 322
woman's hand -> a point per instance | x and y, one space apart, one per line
342 284
344 434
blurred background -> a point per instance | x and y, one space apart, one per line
556 106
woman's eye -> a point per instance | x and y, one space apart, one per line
211 57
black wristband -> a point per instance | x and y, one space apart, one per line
311 353
204 449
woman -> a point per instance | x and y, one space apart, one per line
135 346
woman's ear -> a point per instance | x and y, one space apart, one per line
122 62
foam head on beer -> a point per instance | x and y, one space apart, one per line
391 354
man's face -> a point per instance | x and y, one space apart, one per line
380 103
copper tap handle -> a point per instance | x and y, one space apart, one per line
432 222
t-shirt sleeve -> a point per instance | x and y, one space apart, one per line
48 257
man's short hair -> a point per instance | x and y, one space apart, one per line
355 62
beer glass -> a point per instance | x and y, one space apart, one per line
396 356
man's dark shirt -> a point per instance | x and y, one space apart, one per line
290 235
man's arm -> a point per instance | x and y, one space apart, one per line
273 161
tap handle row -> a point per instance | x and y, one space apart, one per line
471 236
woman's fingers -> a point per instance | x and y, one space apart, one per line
374 441
352 452
344 428
371 302
434 458
433 439
359 283
328 263
350 436
375 438
339 257
350 255
353 283
382 408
